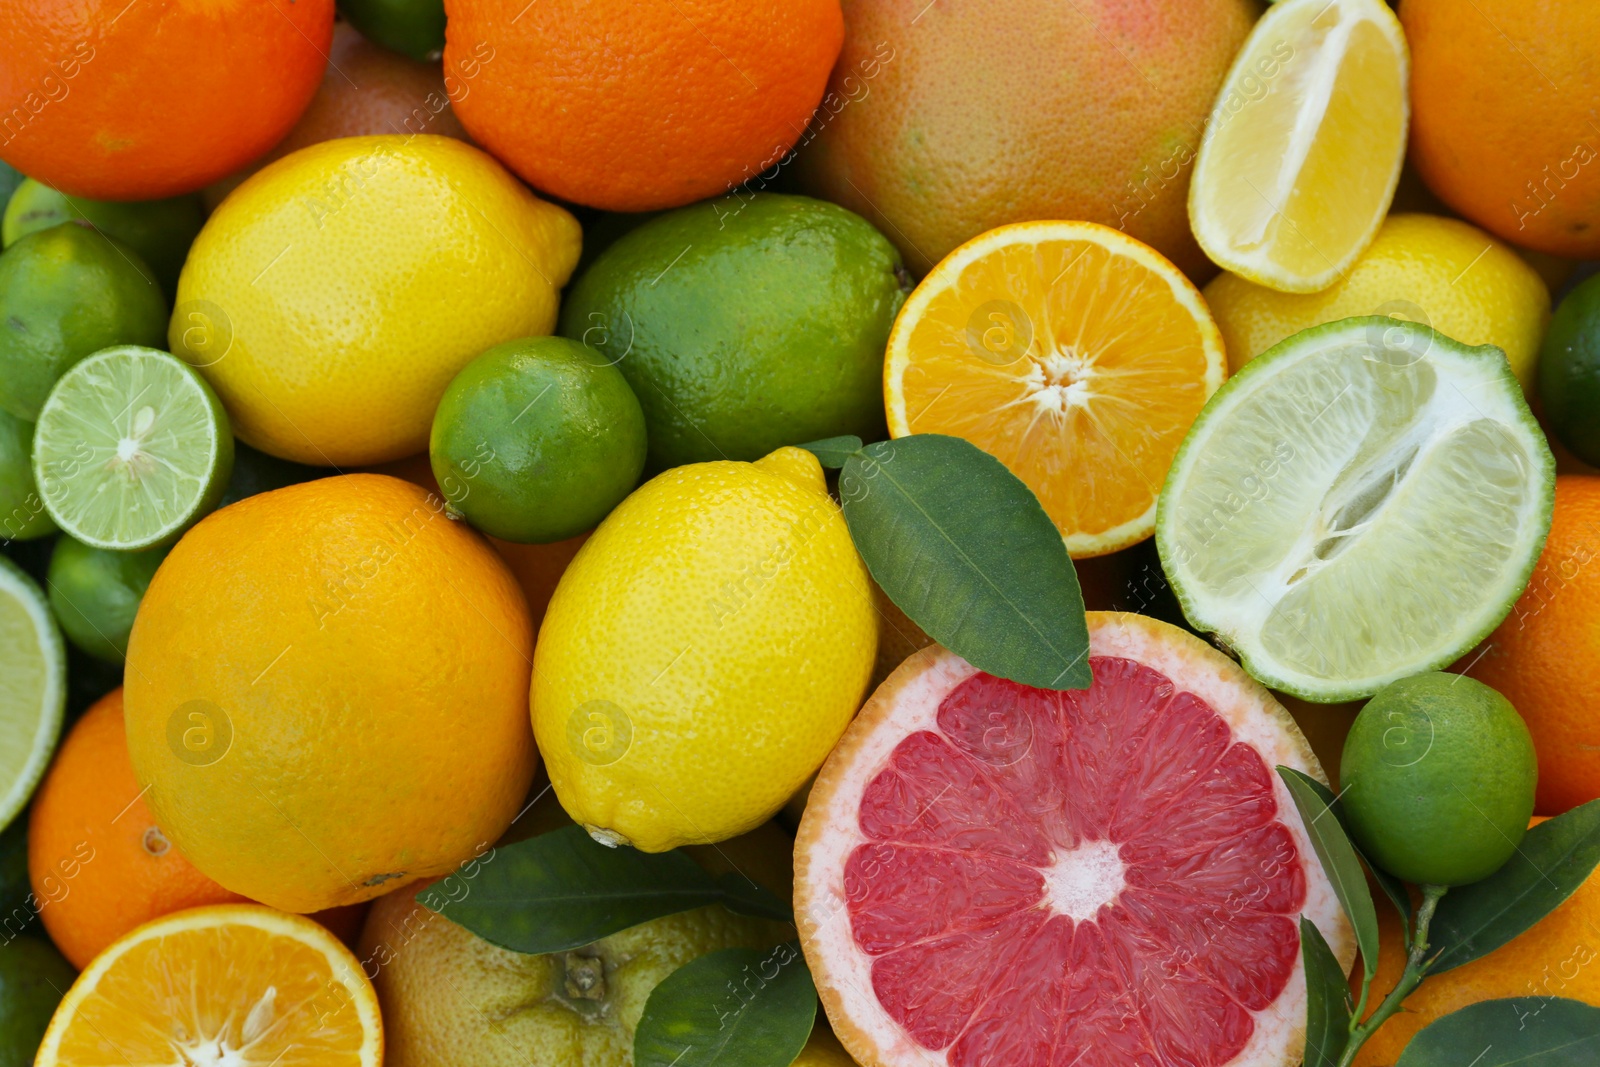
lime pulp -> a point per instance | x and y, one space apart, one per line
33 688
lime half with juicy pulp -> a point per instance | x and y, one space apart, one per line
33 687
1363 502
131 448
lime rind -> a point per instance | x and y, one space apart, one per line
131 448
1364 501
33 688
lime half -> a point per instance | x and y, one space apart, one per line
33 688
1364 501
131 448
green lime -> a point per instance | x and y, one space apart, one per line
33 979
1438 775
1569 372
33 687
257 472
95 593
161 231
10 178
537 440
65 292
131 449
22 513
745 324
1362 502
413 28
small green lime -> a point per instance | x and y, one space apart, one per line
413 28
22 513
1438 774
537 440
257 472
33 687
1569 372
161 231
95 593
745 324
66 292
33 979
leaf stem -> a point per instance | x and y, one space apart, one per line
1417 965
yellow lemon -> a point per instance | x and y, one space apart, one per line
333 295
703 653
1443 273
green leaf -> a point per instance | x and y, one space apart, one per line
1553 860
963 547
744 896
831 452
1520 1031
1338 858
1327 999
739 1007
1392 887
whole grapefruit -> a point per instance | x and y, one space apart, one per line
946 120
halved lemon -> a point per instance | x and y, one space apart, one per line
237 985
1072 353
1303 149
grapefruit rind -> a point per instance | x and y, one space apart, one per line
829 830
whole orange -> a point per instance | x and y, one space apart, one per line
946 120
134 101
632 105
1505 116
1545 656
327 692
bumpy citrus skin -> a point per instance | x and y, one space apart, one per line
353 668
703 653
333 296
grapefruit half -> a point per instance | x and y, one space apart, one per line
990 875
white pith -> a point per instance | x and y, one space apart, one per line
1085 879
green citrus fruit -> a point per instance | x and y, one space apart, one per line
537 440
1438 776
33 684
66 292
413 28
745 324
95 593
22 513
1569 372
161 231
33 977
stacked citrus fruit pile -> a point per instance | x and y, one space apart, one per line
689 534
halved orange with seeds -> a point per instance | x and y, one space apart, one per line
1072 353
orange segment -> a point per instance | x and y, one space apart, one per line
1074 354
236 984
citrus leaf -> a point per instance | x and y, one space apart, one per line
1553 860
1392 887
831 452
1327 999
744 896
1339 860
1520 1031
738 1007
963 547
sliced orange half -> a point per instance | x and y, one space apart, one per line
1072 353
237 985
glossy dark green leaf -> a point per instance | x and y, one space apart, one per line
1338 856
831 452
964 548
1327 999
1514 1032
1392 887
1553 860
744 896
739 1007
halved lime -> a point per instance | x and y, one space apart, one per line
1364 501
131 448
33 688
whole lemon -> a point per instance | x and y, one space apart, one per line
327 693
703 653
331 298
1441 272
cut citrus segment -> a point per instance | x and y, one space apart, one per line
235 985
1363 502
992 874
33 687
131 448
1303 150
1072 353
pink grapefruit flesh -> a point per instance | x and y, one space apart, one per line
990 875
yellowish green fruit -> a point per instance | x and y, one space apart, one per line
1440 272
333 295
703 653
